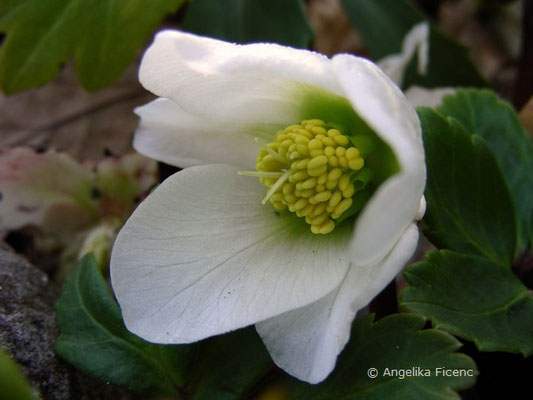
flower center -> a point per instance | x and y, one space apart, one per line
309 169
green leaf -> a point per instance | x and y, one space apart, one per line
482 113
473 298
93 338
230 367
469 208
384 23
104 37
394 343
13 383
246 21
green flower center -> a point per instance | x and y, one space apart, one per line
310 169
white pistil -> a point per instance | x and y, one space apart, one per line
261 174
276 185
271 152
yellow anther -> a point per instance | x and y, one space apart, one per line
301 203
318 130
316 152
323 196
352 153
328 141
269 182
335 199
306 169
278 196
319 220
341 140
334 174
319 208
278 205
291 127
309 183
349 192
341 207
315 229
298 176
317 122
343 162
333 161
306 133
302 149
288 188
270 163
290 198
317 162
269 150
327 227
317 171
307 210
329 151
315 144
344 181
303 163
286 143
331 184
356 164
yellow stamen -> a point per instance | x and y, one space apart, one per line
307 169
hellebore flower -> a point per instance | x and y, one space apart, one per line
415 44
328 224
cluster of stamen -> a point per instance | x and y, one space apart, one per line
307 169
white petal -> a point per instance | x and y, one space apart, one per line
395 203
419 96
416 40
169 134
421 209
202 256
305 342
224 82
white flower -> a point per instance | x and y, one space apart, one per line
415 43
202 255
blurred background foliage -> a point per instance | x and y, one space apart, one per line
100 43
